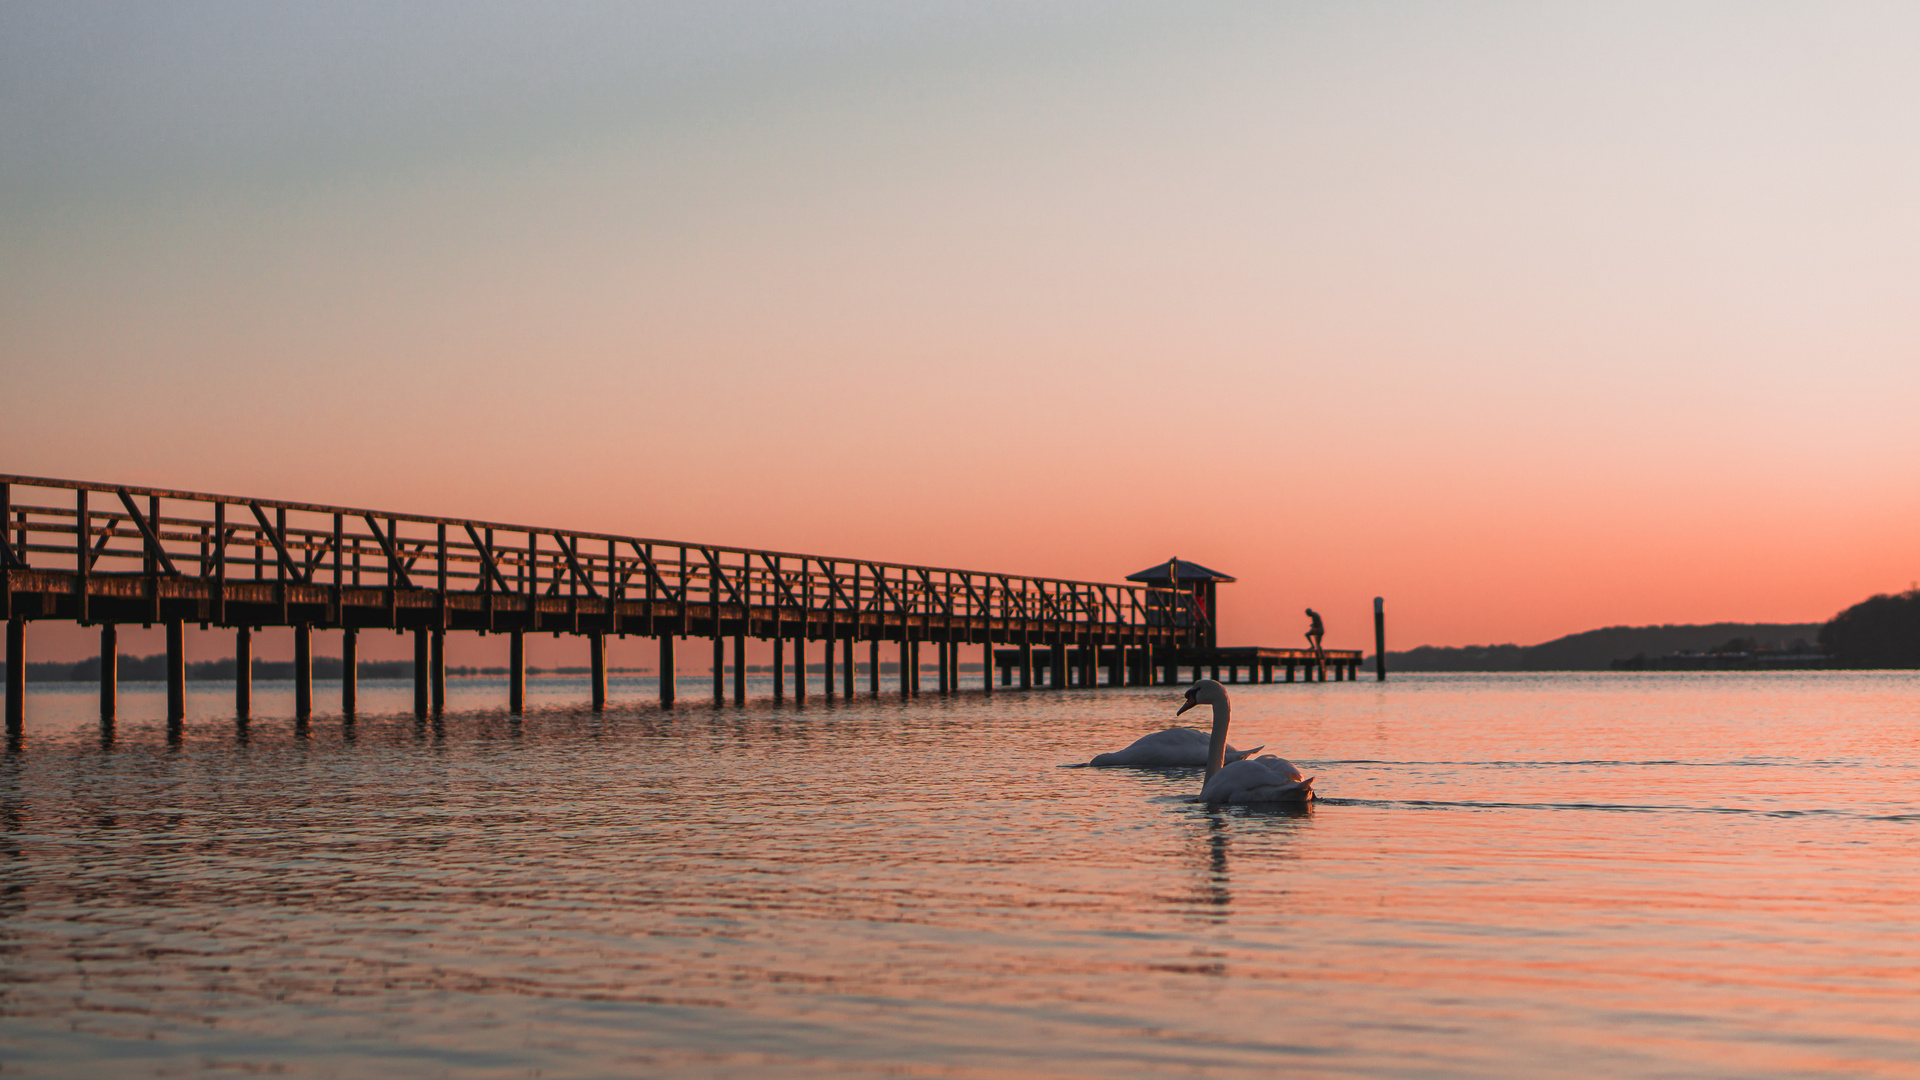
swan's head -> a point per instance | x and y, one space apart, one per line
1204 692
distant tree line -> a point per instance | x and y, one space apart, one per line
1595 650
1879 632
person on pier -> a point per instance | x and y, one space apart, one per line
1315 633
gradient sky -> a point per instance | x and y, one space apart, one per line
1530 318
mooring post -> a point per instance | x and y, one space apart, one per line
16 675
1379 639
668 674
420 672
176 672
243 673
349 670
439 669
739 669
302 671
517 672
109 670
597 661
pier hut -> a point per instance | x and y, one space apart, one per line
1192 578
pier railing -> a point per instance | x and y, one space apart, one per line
124 543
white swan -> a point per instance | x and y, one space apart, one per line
1165 749
1265 779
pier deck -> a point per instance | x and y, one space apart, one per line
102 554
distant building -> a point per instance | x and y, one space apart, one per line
1190 577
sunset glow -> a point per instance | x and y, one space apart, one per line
1529 321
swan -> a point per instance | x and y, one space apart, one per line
1163 749
1265 779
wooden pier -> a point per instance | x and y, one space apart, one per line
108 555
1031 666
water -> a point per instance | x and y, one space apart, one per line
1684 875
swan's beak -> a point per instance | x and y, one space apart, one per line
1190 703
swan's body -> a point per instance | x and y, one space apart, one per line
1164 749
1265 779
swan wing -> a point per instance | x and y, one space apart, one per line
1164 749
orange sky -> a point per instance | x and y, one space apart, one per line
1531 322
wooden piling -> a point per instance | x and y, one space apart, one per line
439 669
668 678
719 665
243 673
302 671
846 665
1379 639
420 693
1026 665
1057 678
739 669
109 670
986 668
800 666
176 671
517 673
942 672
16 675
873 665
827 688
349 671
597 662
906 666
779 665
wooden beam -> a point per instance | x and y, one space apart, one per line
287 564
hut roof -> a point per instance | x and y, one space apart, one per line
1189 571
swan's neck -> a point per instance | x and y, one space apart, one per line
1217 746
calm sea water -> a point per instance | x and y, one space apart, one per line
1665 875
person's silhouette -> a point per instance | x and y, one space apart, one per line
1315 632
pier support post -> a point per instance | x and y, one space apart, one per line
176 672
873 664
16 675
349 671
827 689
597 663
739 669
243 673
846 665
517 672
906 666
1057 678
779 664
986 668
668 678
420 672
943 672
913 665
719 665
109 670
439 672
800 665
1026 665
302 672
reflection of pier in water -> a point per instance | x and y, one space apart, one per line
107 555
